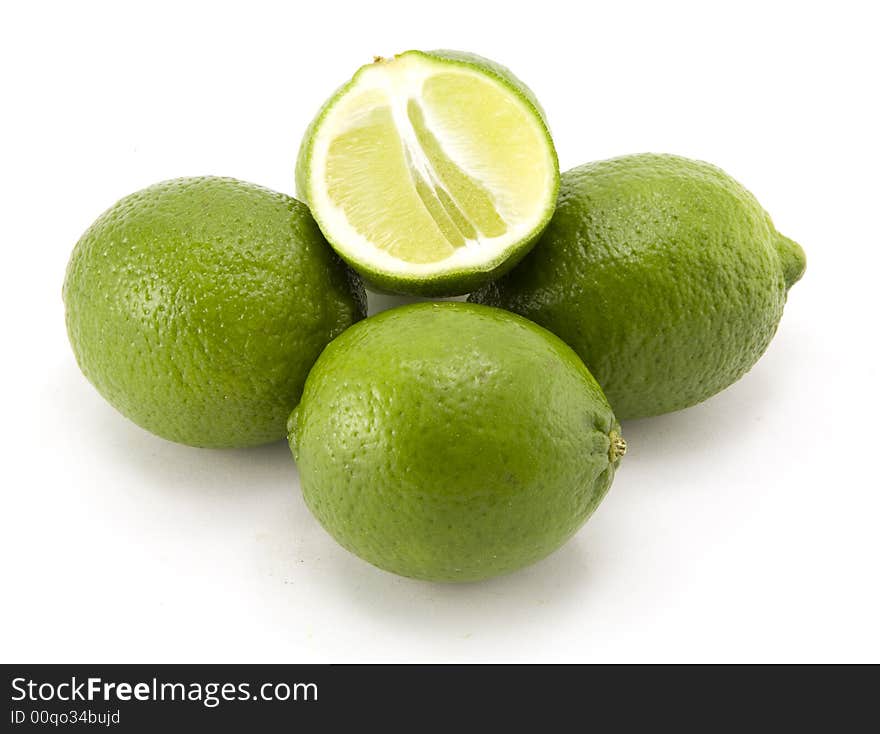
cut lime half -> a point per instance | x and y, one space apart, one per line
431 173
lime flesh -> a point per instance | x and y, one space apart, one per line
430 173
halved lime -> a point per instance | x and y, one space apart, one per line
431 173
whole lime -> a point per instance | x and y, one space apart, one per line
197 306
452 442
664 274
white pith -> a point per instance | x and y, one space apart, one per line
398 81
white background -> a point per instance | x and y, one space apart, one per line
745 529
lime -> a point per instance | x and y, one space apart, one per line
664 274
430 173
197 306
452 442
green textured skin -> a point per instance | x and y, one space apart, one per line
452 442
197 306
457 282
664 274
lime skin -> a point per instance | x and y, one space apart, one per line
452 442
197 306
663 273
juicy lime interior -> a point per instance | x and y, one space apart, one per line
422 164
